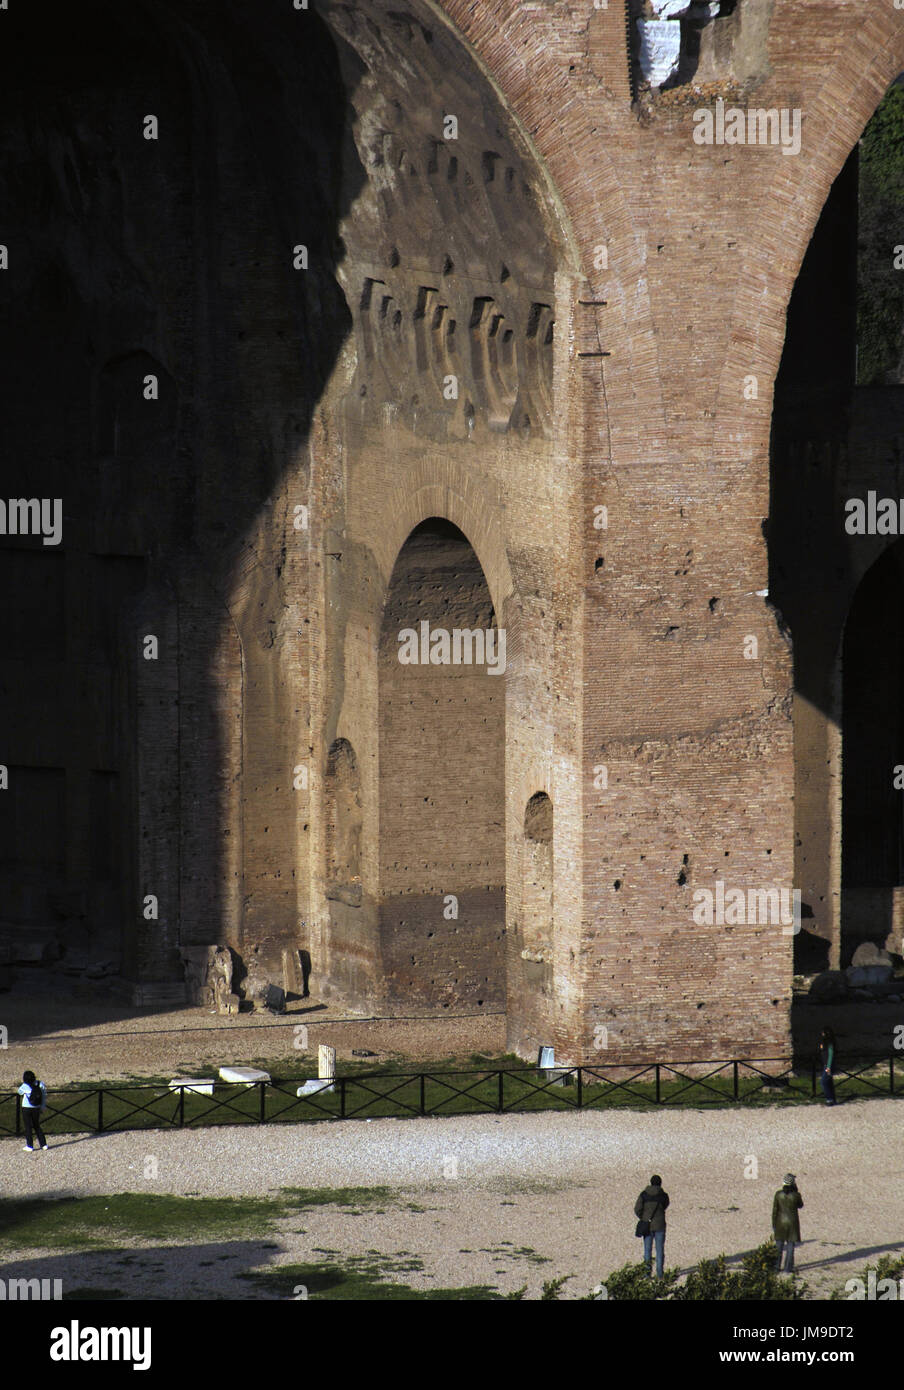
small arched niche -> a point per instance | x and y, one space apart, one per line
343 824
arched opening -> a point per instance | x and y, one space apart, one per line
838 421
441 750
872 835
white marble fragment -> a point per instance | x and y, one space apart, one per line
247 1074
660 48
670 9
202 1088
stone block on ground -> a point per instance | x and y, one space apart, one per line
863 976
293 975
831 987
313 1087
208 976
248 1076
202 1087
99 969
275 999
22 945
868 953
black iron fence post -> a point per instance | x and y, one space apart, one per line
423 1096
342 1097
734 1067
580 1087
181 1107
100 1112
262 1114
657 1085
500 1102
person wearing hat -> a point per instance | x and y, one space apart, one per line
785 1221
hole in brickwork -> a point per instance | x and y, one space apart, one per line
538 819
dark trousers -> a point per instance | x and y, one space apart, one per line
827 1082
32 1121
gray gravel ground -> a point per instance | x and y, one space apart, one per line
503 1200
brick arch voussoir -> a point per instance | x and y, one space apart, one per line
585 185
408 509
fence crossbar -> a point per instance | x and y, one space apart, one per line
216 1102
135 1108
693 1081
538 1087
89 1125
625 1085
380 1095
769 1078
859 1075
456 1091
295 1102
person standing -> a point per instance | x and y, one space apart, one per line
827 1065
786 1203
34 1100
650 1212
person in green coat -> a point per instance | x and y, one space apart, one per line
785 1221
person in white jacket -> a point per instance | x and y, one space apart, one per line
34 1100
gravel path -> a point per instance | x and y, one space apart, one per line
515 1199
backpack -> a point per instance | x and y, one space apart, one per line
36 1096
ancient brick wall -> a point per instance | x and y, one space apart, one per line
553 324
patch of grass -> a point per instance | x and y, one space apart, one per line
87 1223
356 1280
523 1252
303 1198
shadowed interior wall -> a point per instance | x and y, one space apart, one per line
873 747
833 441
442 807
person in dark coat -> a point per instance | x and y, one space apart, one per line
650 1206
827 1065
786 1222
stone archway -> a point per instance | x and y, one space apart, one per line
442 803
